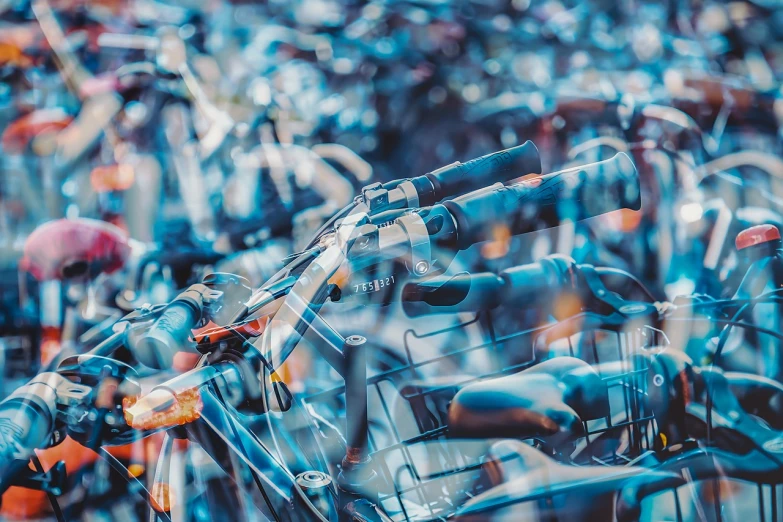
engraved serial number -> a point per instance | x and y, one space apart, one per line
374 285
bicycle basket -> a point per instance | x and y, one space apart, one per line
425 475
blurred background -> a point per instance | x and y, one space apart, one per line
145 144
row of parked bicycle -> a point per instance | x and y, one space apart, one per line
239 283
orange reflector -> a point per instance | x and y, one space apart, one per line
49 350
135 470
252 328
160 497
498 247
162 409
107 178
11 54
622 220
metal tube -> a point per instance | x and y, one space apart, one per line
355 375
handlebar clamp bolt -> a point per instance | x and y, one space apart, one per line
355 340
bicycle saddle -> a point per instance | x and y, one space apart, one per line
551 398
759 396
20 133
68 248
521 475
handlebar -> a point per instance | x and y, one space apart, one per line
156 346
454 180
449 181
26 423
576 194
460 178
520 285
573 194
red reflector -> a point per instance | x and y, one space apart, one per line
756 236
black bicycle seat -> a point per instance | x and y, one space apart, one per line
525 481
759 396
551 398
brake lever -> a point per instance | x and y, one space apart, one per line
54 481
90 396
606 307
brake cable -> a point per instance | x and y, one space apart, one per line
723 339
297 488
617 271
266 366
241 447
58 512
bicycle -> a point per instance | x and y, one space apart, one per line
217 427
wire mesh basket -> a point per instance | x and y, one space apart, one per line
706 484
425 475
618 357
721 499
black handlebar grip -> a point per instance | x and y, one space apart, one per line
170 332
450 294
523 286
460 178
26 423
546 201
532 284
